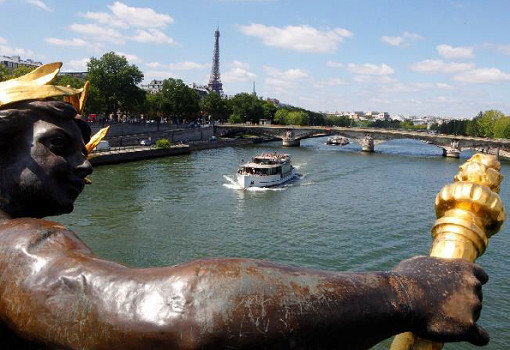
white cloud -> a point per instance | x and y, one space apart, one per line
98 32
448 51
140 17
438 66
392 40
240 64
483 75
334 64
106 26
301 38
158 74
380 100
370 69
282 81
289 74
106 19
154 65
374 79
153 35
504 49
131 58
7 50
239 72
76 65
63 42
39 4
409 87
404 40
446 99
444 86
186 65
331 82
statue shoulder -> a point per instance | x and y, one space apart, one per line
32 235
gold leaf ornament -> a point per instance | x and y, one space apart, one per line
36 86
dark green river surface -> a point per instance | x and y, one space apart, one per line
348 211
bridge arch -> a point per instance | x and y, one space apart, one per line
452 145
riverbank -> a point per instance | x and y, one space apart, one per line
131 154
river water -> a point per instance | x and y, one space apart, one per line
348 211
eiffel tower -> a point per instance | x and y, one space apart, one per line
215 81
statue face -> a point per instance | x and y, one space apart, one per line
46 175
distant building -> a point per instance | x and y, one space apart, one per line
14 62
202 91
153 87
274 101
79 75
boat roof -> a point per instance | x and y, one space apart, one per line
259 165
272 156
278 158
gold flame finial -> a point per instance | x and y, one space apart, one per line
469 211
36 86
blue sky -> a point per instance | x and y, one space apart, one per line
443 58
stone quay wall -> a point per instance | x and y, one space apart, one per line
126 134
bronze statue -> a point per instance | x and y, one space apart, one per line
56 294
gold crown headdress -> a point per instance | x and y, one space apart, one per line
36 86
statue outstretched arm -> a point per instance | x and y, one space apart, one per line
55 289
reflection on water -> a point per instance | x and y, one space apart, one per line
348 211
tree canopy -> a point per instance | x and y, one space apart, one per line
116 83
248 106
215 106
502 128
180 101
4 73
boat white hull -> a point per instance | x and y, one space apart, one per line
246 181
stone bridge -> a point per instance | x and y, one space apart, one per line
368 138
290 135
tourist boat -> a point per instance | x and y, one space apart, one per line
266 170
337 140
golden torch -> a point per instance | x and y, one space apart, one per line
469 211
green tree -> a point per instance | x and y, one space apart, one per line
298 118
473 127
179 100
407 124
93 104
280 116
488 121
338 120
248 106
154 105
502 128
4 73
21 70
269 109
116 82
66 80
235 119
215 106
317 118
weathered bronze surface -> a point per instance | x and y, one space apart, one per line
469 211
56 294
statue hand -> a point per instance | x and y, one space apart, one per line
445 298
